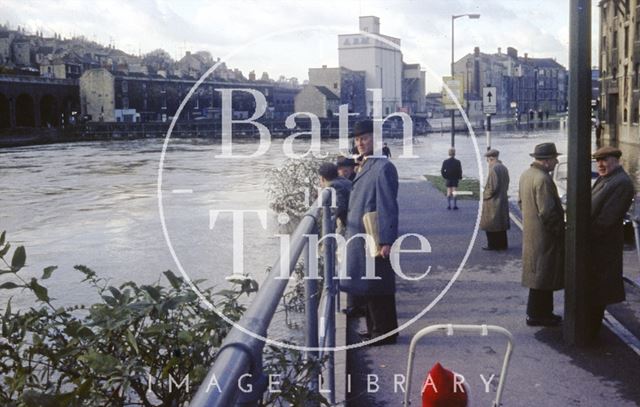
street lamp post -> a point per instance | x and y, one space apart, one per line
453 119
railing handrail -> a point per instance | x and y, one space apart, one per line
241 353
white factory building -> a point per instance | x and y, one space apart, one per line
380 59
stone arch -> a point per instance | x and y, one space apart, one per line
49 112
5 112
25 112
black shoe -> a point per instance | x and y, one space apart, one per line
488 248
353 312
455 208
448 208
553 320
391 340
364 336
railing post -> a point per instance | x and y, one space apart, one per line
328 227
311 315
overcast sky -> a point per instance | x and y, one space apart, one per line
287 37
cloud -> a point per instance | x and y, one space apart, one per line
540 28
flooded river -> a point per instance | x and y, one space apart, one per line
96 203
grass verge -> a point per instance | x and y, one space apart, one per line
466 184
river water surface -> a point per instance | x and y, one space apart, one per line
96 203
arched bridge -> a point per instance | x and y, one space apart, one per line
37 102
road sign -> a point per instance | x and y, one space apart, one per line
489 100
456 86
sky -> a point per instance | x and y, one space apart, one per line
285 37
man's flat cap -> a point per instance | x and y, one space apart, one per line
492 153
607 151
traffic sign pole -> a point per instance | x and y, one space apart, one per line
488 132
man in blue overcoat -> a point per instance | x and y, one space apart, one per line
375 189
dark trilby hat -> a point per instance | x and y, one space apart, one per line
545 150
607 151
345 162
492 153
362 127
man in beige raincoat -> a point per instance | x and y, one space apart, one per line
495 205
543 236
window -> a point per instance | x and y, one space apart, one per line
125 87
634 112
624 116
626 42
636 68
125 103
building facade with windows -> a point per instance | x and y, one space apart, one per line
119 96
524 85
619 63
377 55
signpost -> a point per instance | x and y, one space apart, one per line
489 107
489 100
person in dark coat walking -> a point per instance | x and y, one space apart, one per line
542 236
611 196
386 150
375 189
451 171
495 205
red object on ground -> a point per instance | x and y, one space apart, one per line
441 389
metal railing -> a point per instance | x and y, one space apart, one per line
240 356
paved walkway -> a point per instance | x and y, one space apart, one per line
543 370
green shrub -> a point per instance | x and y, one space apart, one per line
136 346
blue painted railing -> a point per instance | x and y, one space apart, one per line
240 356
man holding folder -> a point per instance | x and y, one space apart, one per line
373 210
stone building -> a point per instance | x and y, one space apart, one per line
348 85
318 100
413 88
619 60
523 84
21 50
6 38
113 96
97 95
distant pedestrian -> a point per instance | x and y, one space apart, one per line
386 150
495 205
611 196
543 236
374 197
451 171
346 167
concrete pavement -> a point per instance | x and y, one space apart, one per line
543 370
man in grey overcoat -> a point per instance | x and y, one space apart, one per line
543 236
495 205
375 189
611 196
